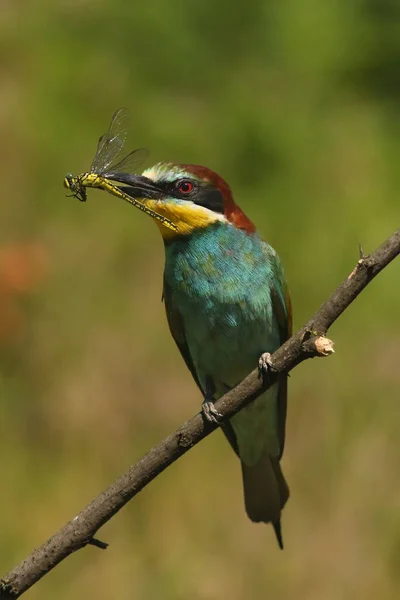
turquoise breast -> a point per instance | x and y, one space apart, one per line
220 279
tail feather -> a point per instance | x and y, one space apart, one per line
278 533
265 492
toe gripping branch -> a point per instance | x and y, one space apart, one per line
265 365
210 412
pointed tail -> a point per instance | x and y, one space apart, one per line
265 492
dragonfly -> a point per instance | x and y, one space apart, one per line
109 161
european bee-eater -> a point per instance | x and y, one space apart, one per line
227 304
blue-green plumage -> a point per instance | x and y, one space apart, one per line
227 304
222 288
220 279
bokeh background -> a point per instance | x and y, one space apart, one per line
296 104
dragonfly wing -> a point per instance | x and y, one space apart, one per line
111 143
109 151
128 164
119 124
101 145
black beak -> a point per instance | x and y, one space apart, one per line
137 186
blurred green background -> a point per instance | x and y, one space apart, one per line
296 104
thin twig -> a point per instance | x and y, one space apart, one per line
308 342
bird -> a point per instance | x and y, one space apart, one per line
228 308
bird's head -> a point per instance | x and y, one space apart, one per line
190 196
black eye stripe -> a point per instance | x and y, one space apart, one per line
202 195
210 198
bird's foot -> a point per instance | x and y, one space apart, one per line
210 412
265 365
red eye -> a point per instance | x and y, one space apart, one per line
185 186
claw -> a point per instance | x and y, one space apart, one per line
210 412
265 364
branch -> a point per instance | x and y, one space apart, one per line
308 342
